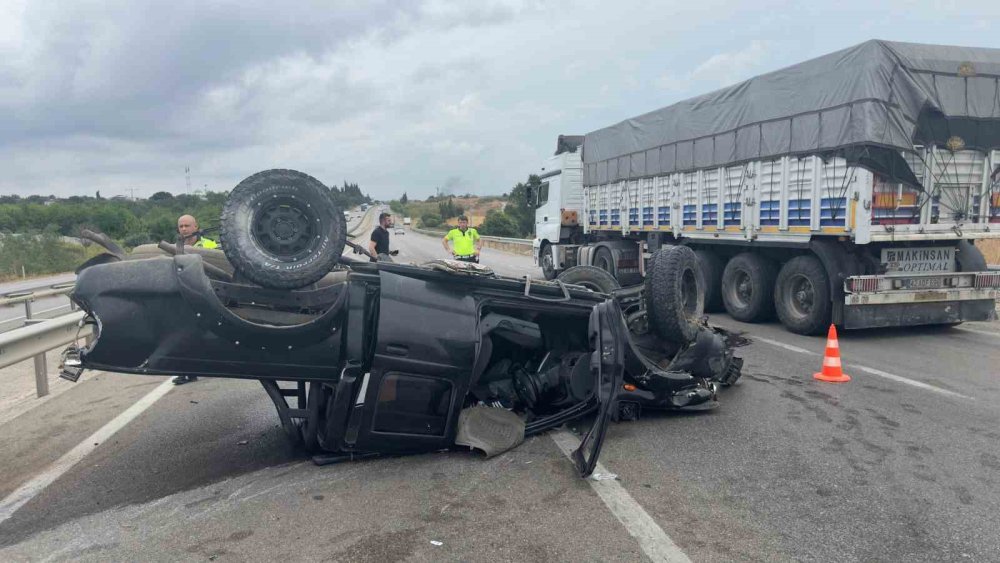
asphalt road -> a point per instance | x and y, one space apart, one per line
900 464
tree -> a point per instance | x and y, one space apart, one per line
520 208
98 196
404 199
430 220
498 224
161 196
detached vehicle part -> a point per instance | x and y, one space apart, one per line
365 358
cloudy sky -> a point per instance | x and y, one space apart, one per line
414 96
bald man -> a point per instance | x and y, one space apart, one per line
187 227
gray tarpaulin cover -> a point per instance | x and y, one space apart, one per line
865 103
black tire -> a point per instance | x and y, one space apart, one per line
281 229
675 291
605 261
748 287
711 271
591 277
545 257
969 258
802 296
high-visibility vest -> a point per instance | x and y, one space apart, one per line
465 243
206 243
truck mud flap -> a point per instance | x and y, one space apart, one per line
607 364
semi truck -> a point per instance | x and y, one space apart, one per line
847 189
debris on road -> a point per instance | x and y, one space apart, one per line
604 476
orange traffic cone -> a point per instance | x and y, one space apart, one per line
831 360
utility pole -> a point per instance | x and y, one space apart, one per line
187 179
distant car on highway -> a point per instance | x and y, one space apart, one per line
399 230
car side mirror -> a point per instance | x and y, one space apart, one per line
530 195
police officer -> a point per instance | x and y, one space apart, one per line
466 241
187 227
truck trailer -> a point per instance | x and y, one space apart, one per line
846 189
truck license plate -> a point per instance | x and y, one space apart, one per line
919 260
924 283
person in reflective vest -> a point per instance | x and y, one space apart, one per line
465 240
187 227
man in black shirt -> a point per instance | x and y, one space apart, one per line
379 243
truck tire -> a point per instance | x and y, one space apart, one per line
604 260
711 270
969 258
545 257
591 277
802 296
675 290
281 229
748 287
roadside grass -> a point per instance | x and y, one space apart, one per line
25 256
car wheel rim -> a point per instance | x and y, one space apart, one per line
283 228
802 296
742 291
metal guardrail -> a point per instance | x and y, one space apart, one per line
506 240
35 340
27 298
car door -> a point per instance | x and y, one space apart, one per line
426 344
607 363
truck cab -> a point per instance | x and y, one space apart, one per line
558 201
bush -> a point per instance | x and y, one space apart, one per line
430 220
38 254
498 224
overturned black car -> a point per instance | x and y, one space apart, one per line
365 358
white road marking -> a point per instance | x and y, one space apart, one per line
901 379
30 490
783 345
986 332
868 370
655 543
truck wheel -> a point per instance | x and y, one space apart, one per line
676 293
591 277
548 268
748 287
711 270
969 258
605 261
281 229
802 296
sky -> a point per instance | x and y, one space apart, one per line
460 97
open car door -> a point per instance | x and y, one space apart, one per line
607 364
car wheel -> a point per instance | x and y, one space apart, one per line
281 229
802 296
711 271
548 268
748 287
605 261
591 277
676 293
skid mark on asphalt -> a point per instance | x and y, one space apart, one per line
30 490
655 543
870 371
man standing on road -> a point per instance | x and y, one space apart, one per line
187 227
466 240
379 243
